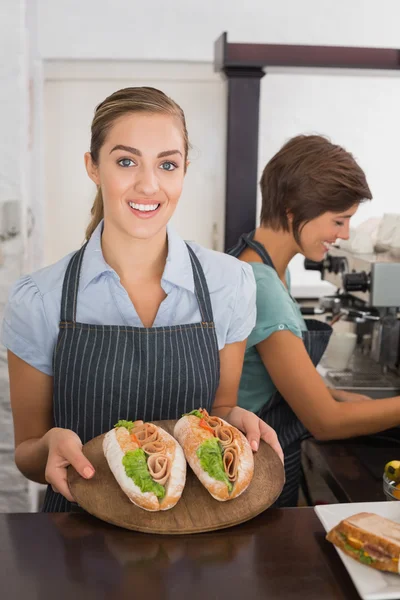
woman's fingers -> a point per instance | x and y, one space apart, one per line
59 483
78 460
269 436
65 448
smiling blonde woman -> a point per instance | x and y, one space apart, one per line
137 324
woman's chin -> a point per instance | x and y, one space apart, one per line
316 256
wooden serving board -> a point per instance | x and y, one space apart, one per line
196 511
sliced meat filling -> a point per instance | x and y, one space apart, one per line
159 468
214 422
225 435
376 552
145 433
231 462
156 447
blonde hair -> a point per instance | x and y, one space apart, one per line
127 100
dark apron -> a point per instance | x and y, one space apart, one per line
103 373
277 412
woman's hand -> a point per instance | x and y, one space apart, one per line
64 449
254 428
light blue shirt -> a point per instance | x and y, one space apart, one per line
31 321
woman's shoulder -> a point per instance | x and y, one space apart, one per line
268 279
31 316
274 301
222 269
48 279
36 297
233 293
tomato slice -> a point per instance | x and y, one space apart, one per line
204 424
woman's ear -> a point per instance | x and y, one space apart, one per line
289 216
91 168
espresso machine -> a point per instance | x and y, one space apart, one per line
367 295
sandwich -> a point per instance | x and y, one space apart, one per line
147 462
369 539
218 453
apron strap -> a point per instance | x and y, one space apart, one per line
247 240
201 288
70 287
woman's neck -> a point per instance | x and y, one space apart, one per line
280 245
134 259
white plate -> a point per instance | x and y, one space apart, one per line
370 584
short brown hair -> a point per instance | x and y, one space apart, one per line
308 177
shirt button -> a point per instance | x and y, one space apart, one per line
281 327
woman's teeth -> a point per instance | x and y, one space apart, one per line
144 207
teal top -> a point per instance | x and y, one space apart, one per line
276 311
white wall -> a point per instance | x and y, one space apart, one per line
356 109
186 30
74 88
14 160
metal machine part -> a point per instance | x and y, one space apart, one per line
368 295
372 278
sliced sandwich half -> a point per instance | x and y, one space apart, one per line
147 462
369 539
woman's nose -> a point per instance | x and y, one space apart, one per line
346 231
147 183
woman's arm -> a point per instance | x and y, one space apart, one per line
294 375
231 364
42 451
225 404
345 396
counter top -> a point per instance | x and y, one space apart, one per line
279 554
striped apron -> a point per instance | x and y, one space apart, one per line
277 412
103 373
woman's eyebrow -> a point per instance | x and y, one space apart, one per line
137 152
168 153
127 149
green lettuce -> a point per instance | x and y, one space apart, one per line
367 560
210 456
196 413
128 424
135 465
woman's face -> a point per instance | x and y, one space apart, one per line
317 234
141 169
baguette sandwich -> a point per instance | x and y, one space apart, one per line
369 539
218 453
147 462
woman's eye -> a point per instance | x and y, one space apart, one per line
168 166
126 162
339 223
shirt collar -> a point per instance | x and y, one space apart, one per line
178 267
93 264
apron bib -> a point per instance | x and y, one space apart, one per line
104 373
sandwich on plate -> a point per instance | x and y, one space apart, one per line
218 453
147 462
369 539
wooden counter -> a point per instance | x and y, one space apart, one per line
280 554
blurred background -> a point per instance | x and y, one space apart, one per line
60 58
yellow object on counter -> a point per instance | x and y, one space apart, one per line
392 471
